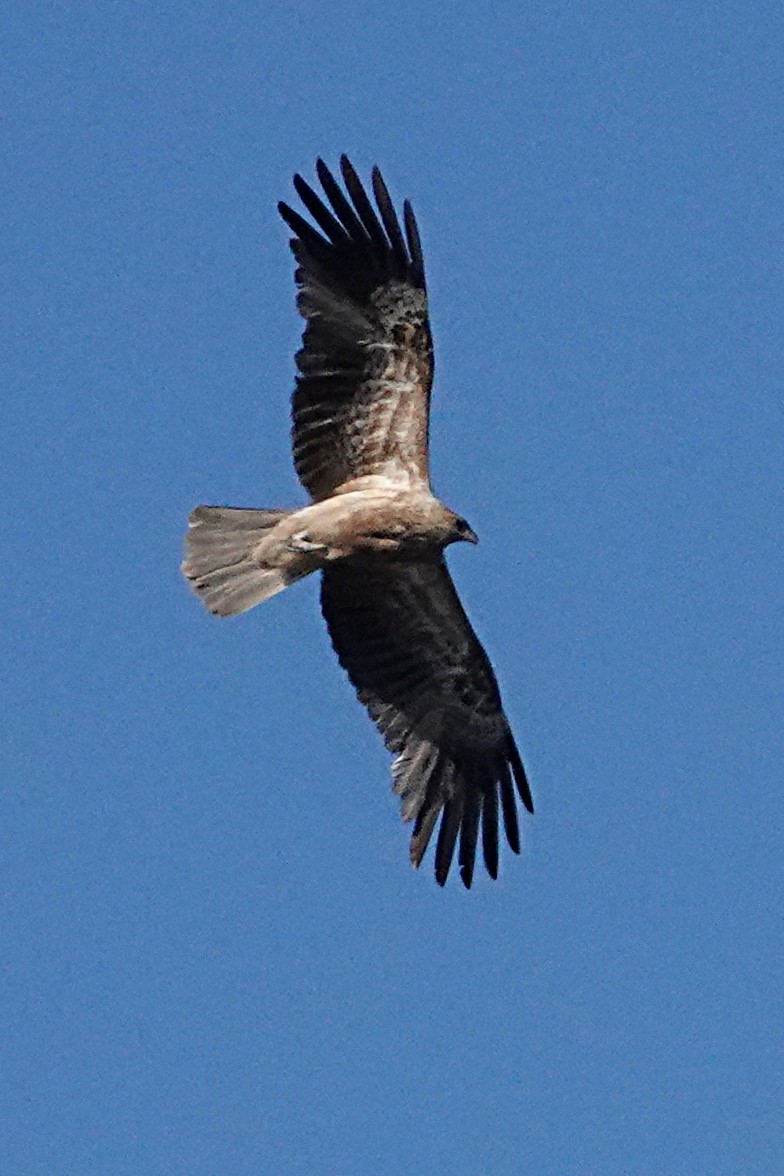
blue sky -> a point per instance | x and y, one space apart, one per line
215 956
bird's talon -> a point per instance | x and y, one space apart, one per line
301 542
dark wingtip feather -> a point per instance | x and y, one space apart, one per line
490 830
300 226
365 210
447 837
469 829
428 814
341 206
509 808
320 213
390 221
423 831
521 780
414 244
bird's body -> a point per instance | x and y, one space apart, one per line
374 528
375 515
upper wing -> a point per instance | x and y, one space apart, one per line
366 366
402 635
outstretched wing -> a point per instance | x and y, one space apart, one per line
366 366
403 637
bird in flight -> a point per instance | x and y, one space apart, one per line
373 528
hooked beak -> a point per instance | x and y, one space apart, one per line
470 536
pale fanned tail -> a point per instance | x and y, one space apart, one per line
221 562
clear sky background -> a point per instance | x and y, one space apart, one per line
215 955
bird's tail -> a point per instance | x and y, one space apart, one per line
225 558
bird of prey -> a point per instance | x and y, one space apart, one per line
373 527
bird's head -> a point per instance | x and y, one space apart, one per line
462 532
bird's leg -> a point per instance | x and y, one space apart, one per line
386 539
301 543
376 543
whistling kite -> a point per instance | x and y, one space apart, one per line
374 528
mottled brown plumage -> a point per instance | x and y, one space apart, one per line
360 416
